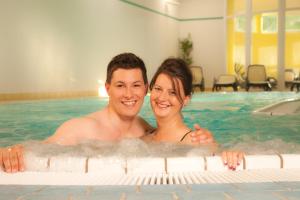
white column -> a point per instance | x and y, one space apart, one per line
248 33
281 44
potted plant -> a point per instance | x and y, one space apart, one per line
186 47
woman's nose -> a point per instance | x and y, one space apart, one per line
163 95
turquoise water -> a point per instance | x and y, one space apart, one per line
228 115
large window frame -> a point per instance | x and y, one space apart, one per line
282 22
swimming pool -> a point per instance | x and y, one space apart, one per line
228 115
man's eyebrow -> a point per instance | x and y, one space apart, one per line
120 82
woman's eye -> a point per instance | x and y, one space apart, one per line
157 88
173 93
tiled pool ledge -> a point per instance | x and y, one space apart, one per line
153 171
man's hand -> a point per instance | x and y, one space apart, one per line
11 159
201 136
232 158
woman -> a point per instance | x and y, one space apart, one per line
171 90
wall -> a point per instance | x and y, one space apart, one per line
59 45
208 34
63 45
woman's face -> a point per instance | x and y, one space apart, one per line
164 98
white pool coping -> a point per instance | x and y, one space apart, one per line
286 107
153 171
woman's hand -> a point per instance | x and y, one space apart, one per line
11 159
232 158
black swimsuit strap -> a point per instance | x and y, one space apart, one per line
185 135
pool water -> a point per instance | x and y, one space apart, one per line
228 115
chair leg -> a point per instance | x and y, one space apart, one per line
235 88
247 88
292 86
202 88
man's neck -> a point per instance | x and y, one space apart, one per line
121 124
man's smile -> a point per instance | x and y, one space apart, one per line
129 102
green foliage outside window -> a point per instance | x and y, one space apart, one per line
292 23
269 23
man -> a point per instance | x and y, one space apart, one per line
126 85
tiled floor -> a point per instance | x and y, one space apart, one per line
237 191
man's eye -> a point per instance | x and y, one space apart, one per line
137 85
119 85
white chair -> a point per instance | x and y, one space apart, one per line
198 79
257 77
225 80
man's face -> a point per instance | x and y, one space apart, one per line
126 92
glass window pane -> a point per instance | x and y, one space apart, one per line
292 41
235 45
269 23
264 46
292 21
240 23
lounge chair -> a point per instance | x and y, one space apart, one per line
296 84
225 80
289 77
296 81
198 80
257 77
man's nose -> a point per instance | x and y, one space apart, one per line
128 92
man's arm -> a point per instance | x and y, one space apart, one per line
69 133
146 126
201 136
11 159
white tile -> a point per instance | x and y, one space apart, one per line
185 164
145 165
67 164
291 161
106 165
262 162
34 162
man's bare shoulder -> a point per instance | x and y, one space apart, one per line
80 123
76 129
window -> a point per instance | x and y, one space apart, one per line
292 22
269 23
240 23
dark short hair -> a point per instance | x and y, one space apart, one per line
176 68
126 61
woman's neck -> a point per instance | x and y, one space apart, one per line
170 130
